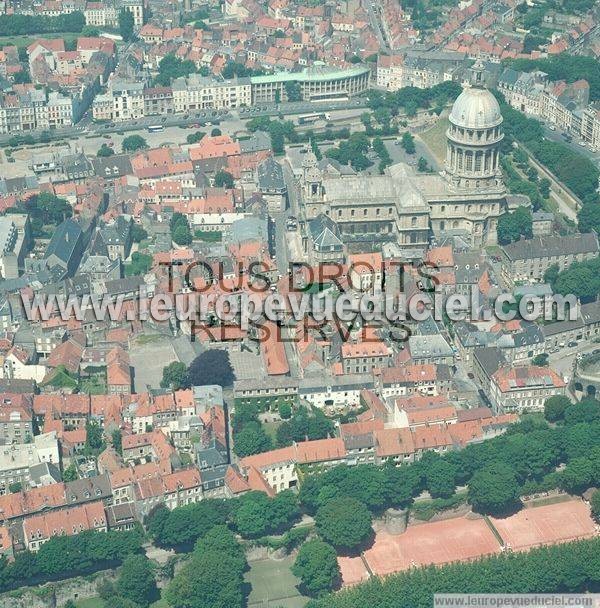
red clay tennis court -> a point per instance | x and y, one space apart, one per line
432 543
353 570
546 525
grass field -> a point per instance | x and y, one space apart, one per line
273 585
92 602
435 139
94 385
27 40
96 602
271 428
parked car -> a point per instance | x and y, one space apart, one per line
572 344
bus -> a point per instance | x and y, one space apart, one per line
155 128
310 118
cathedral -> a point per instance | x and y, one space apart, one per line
403 206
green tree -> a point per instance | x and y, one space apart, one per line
22 77
138 234
540 360
581 279
577 475
551 274
305 423
293 90
140 264
183 526
213 577
494 489
586 411
126 23
588 217
133 143
117 441
70 473
171 67
211 367
194 138
216 132
94 440
285 410
344 522
440 476
175 376
408 143
51 209
544 187
514 225
252 439
180 229
105 151
182 235
223 179
317 567
422 165
256 514
555 408
595 504
136 581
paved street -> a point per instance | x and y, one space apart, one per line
201 118
585 150
396 151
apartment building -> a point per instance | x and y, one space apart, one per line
99 14
17 459
364 357
523 389
33 110
316 83
565 105
528 259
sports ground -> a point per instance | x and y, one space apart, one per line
469 537
273 585
546 525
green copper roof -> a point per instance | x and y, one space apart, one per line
314 74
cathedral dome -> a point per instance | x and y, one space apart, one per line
475 108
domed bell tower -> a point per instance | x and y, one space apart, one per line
474 137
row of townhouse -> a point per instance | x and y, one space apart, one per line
133 100
35 110
423 70
148 473
529 259
561 104
106 14
369 442
116 501
343 390
512 389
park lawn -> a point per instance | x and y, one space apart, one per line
271 429
149 338
96 602
94 385
91 602
435 139
26 40
273 584
208 236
